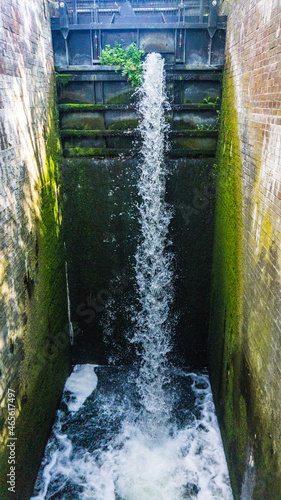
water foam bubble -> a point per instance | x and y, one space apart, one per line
80 384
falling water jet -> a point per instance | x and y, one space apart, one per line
153 262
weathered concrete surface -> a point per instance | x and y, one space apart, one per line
102 232
245 340
34 361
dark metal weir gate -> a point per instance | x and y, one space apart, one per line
190 32
190 36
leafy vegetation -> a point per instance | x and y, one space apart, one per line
129 59
211 100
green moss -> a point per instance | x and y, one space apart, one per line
49 269
181 129
124 124
67 108
96 133
81 107
82 152
199 105
64 78
245 422
83 121
95 152
243 433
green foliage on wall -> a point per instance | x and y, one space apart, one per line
129 59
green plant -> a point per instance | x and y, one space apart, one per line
129 59
210 100
218 116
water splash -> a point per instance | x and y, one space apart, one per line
111 458
153 262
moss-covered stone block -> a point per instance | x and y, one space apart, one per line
96 152
120 98
204 144
124 124
84 142
82 121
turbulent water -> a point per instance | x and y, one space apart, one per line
100 448
148 432
153 262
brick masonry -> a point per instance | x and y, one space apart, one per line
25 67
253 68
26 64
26 72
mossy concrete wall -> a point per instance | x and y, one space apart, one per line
102 232
245 335
33 311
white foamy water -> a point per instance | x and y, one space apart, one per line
146 433
102 452
80 384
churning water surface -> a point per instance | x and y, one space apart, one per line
103 448
148 432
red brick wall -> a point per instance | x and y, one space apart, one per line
253 70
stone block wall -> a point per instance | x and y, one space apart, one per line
245 339
33 343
